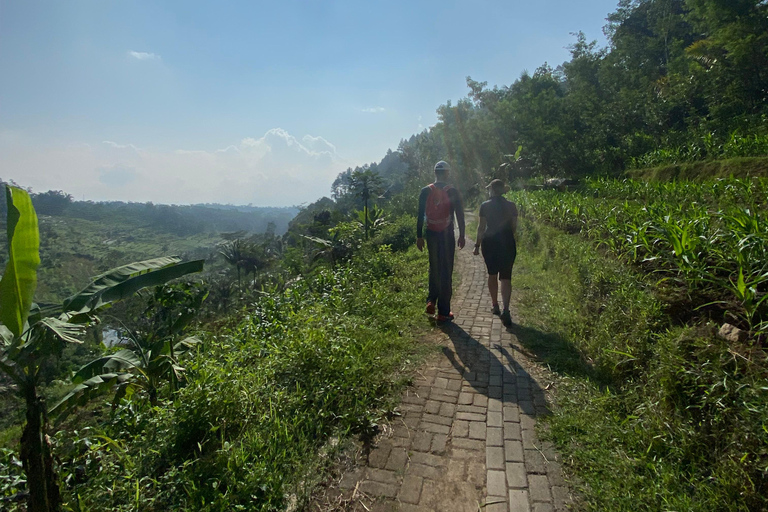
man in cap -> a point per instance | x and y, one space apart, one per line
496 235
438 203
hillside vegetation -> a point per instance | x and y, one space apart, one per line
231 390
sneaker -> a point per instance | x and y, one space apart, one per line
506 318
430 308
495 310
445 318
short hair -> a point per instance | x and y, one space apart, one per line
497 186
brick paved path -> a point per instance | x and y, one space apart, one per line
466 439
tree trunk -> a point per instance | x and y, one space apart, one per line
36 457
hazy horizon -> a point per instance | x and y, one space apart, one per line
243 103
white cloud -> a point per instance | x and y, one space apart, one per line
374 110
276 169
143 55
119 146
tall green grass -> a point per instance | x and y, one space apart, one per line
649 416
266 400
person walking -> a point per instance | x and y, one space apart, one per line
438 203
496 236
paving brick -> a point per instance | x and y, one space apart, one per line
534 462
494 457
422 441
512 431
441 382
494 405
561 496
411 421
398 459
496 483
468 416
447 410
555 474
530 440
513 451
494 419
460 428
410 491
378 489
454 384
383 476
518 500
468 444
438 444
493 437
440 420
477 430
495 392
471 409
543 507
516 476
428 459
413 399
439 394
527 407
432 406
527 422
434 428
480 400
511 413
538 488
379 455
466 398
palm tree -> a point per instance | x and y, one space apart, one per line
366 183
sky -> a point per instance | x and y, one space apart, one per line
248 102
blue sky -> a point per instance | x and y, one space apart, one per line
247 102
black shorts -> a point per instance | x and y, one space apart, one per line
499 253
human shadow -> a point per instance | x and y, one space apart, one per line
493 371
556 352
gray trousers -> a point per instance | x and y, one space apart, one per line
441 246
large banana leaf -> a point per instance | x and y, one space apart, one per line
121 360
124 281
17 287
86 391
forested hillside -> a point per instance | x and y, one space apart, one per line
84 238
681 81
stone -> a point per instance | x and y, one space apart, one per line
732 334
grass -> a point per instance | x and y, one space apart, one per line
648 416
266 399
743 167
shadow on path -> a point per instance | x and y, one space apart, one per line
493 371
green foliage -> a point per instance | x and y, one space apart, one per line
399 235
19 281
301 367
637 399
709 238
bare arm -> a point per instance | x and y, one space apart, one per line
480 233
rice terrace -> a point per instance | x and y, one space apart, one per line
204 329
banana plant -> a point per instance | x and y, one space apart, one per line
150 358
31 334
